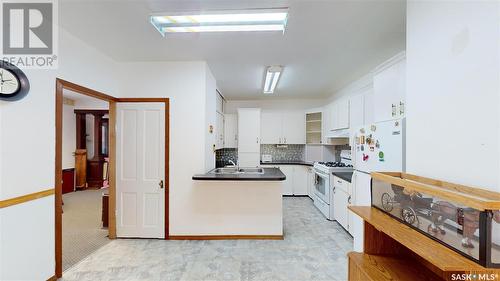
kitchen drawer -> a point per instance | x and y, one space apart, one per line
341 184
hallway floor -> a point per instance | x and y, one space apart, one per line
82 232
313 249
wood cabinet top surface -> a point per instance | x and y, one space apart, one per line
439 255
477 198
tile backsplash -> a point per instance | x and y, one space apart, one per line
288 152
222 156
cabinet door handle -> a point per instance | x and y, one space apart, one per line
161 184
257 139
349 199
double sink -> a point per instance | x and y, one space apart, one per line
236 170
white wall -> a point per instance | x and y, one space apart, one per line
185 83
453 70
211 117
91 103
68 136
359 86
27 143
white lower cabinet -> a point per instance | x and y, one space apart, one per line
311 177
288 183
300 180
297 179
340 207
341 200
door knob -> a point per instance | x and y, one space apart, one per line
161 184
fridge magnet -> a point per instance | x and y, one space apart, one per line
373 128
369 140
362 139
381 156
362 148
211 129
365 157
372 148
362 130
377 144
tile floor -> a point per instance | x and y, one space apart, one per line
313 249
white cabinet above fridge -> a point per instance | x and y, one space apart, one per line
389 86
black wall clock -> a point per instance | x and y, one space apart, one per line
14 84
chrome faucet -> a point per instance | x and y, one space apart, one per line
234 164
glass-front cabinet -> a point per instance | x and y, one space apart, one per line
462 218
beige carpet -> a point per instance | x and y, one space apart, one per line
82 232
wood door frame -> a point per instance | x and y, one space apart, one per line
60 86
166 101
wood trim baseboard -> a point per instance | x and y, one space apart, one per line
226 237
25 198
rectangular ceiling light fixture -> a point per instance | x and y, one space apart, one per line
272 77
221 21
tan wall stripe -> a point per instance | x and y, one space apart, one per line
26 198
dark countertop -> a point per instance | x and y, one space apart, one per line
270 174
305 163
347 176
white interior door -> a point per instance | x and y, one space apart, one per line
140 170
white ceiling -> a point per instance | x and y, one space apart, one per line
327 44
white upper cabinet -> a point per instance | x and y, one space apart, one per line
339 114
249 130
342 114
368 107
357 111
271 127
219 106
389 85
283 128
294 128
219 131
230 130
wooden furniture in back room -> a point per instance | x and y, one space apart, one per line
80 169
98 148
68 177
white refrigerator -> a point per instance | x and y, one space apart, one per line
378 147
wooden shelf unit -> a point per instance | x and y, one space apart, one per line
313 127
395 251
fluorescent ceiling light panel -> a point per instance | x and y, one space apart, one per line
222 21
272 77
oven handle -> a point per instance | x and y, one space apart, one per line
321 174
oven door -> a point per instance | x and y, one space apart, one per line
322 186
